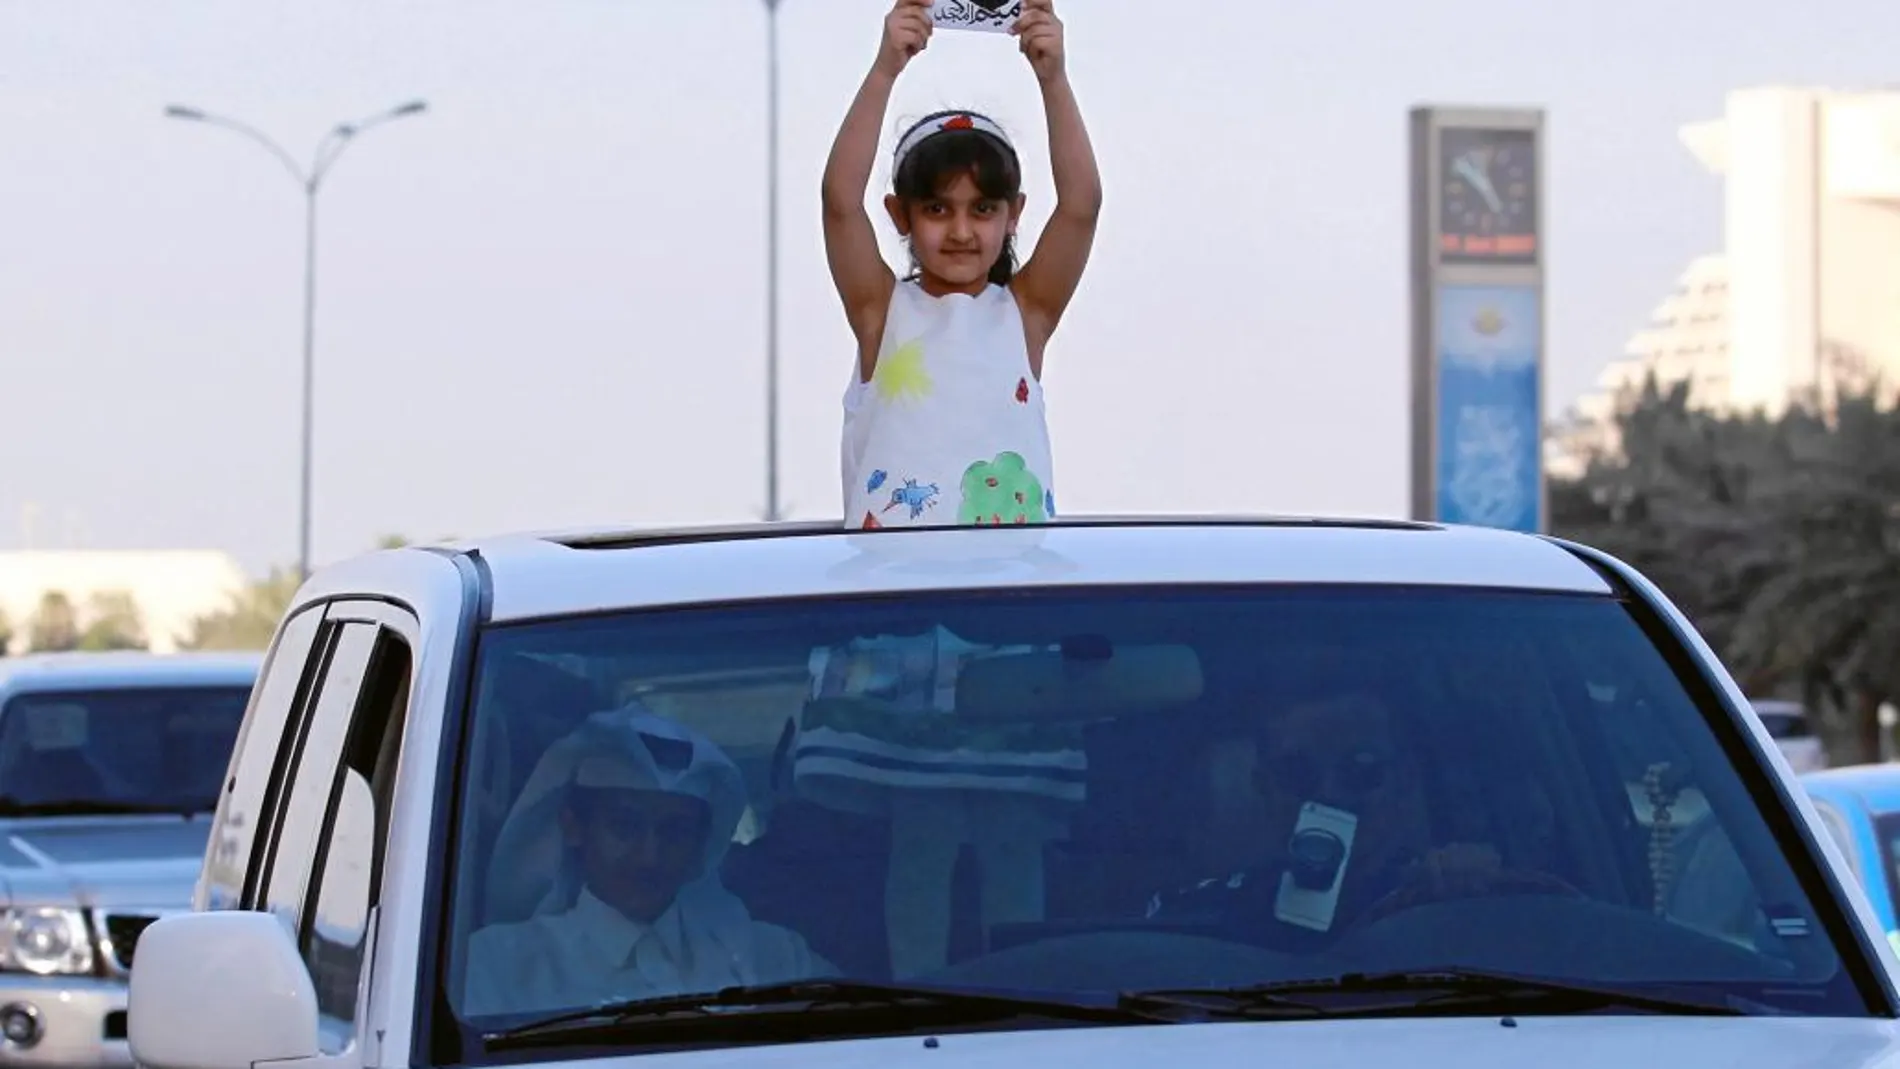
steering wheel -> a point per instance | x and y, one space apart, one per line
1456 882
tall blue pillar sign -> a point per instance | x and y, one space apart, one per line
1489 443
1477 260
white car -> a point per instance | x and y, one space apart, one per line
1103 793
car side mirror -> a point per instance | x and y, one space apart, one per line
220 990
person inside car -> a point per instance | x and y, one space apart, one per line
646 810
1346 798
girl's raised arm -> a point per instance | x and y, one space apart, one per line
1049 280
858 269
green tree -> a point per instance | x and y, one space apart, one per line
1679 502
55 625
113 622
1779 537
249 618
1826 619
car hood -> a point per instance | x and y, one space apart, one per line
1467 1043
103 862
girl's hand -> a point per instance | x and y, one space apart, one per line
1040 32
906 32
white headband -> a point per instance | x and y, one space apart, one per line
956 120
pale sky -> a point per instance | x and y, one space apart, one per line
542 303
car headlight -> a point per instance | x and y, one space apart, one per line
45 941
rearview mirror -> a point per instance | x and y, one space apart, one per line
1087 680
221 990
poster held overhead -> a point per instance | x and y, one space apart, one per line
984 16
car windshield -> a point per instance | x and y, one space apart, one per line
123 749
1069 794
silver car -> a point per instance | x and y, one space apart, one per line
1788 724
110 766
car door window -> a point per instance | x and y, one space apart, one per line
325 858
1836 824
347 869
312 784
255 759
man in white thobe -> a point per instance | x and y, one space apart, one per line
646 810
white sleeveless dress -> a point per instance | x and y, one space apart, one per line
951 429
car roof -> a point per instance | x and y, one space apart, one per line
87 671
1877 787
600 569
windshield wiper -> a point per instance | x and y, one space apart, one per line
1435 990
909 1003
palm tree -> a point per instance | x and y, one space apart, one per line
1779 537
1828 620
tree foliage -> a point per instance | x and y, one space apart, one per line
249 618
112 619
113 622
1779 536
54 627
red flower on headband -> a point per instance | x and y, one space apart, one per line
958 122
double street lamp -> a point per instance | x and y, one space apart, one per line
339 138
310 180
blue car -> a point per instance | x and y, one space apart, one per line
1860 806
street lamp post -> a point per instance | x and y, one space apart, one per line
772 513
311 181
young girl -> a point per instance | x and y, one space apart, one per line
944 421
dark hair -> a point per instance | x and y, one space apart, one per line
942 157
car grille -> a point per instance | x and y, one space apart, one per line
122 931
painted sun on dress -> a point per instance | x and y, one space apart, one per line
902 376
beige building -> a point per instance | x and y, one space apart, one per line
1806 291
1686 339
171 587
